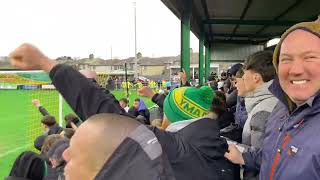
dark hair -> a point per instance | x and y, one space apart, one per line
239 73
261 62
49 141
235 68
218 106
72 118
221 95
125 100
137 99
68 132
48 120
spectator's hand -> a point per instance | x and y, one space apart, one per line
146 92
234 155
36 102
74 127
28 57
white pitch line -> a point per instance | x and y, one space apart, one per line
14 150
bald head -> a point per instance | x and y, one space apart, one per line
94 142
112 127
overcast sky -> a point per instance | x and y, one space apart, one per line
77 28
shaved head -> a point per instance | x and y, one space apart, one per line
94 142
111 128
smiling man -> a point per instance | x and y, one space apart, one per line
291 149
299 73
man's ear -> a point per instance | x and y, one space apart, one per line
257 78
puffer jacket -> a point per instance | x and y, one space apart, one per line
259 105
291 149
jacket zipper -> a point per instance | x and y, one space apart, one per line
286 140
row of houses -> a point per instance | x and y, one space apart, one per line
153 68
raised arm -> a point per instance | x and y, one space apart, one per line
42 110
85 98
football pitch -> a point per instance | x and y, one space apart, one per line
20 120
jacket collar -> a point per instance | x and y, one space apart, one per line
255 97
278 92
176 126
309 102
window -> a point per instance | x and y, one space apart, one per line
116 67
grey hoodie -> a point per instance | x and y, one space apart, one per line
259 104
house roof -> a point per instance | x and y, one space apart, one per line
156 61
147 61
94 61
243 21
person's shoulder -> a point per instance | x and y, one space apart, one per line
267 104
209 123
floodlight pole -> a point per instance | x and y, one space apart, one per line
135 43
126 78
110 52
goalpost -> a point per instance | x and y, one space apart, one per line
20 120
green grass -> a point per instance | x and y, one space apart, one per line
20 120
